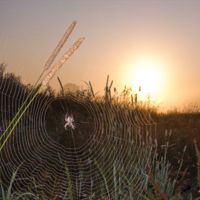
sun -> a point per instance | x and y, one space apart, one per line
144 73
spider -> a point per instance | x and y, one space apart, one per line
69 119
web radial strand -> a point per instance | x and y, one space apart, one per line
104 153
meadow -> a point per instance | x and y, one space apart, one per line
120 148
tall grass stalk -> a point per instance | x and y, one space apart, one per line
21 107
69 182
174 182
61 86
49 76
7 194
106 185
19 119
198 163
115 181
46 67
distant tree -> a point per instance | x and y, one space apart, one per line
2 69
71 87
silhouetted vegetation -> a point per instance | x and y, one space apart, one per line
178 127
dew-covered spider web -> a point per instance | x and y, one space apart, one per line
75 145
104 154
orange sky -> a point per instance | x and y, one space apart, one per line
154 44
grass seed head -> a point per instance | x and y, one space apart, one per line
58 65
59 46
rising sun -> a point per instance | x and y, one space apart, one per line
145 73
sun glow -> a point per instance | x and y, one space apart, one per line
145 73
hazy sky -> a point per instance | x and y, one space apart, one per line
155 44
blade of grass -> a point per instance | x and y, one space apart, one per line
19 119
91 89
11 182
21 106
61 85
66 193
115 182
106 185
47 65
53 71
111 85
69 181
2 191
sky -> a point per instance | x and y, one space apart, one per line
152 44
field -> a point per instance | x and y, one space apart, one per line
117 148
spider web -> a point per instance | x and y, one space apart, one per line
105 156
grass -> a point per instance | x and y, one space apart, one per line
111 180
7 194
48 77
158 186
114 182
